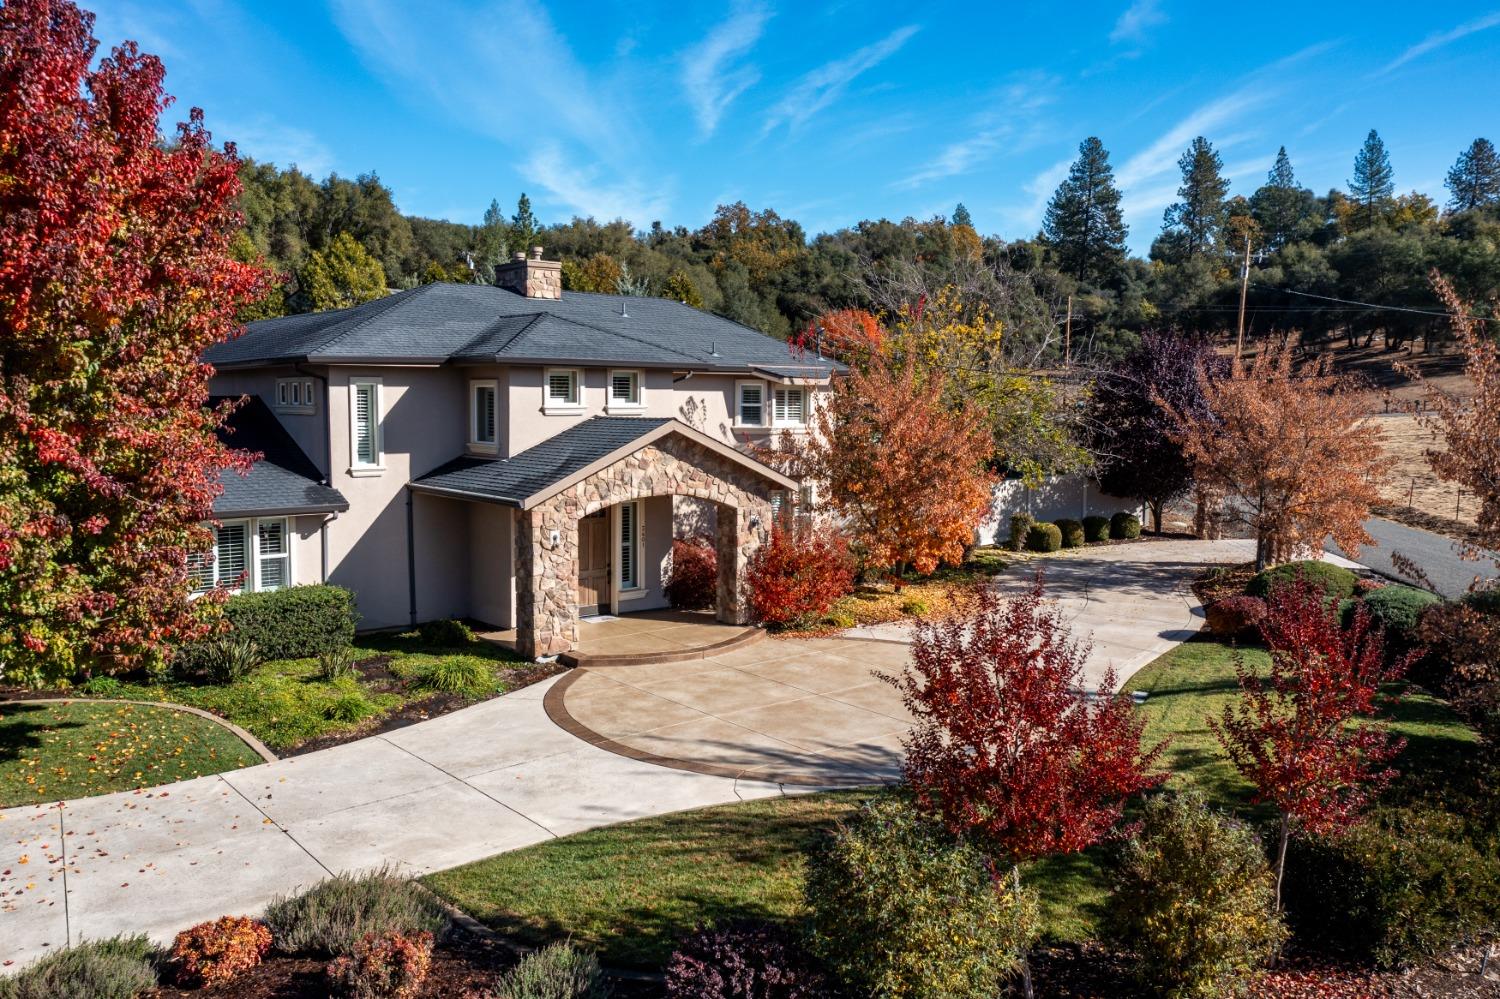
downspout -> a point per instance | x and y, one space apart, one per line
411 561
327 442
323 537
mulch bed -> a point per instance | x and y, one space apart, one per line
1226 581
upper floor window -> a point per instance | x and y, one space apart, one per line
247 555
482 402
790 407
295 395
562 389
364 426
624 389
752 404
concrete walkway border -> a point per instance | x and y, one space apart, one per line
245 737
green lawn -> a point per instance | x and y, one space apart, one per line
630 890
53 751
284 703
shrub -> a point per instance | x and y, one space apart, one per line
1020 523
915 607
458 675
1401 885
446 633
383 966
744 960
1337 583
900 909
1463 648
1072 533
116 968
840 619
1095 528
559 971
222 949
1399 609
1043 537
1124 526
1236 617
295 623
1485 600
796 577
102 686
1194 900
350 707
333 915
336 664
227 658
693 579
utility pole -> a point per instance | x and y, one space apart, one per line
1068 336
1239 345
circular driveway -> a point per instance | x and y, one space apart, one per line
791 711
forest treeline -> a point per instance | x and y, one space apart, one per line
1352 263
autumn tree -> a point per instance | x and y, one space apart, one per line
850 335
1302 736
903 467
341 275
1007 747
1288 450
117 273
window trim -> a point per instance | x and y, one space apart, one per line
377 435
739 403
286 540
777 421
475 443
551 406
613 405
281 400
251 581
637 545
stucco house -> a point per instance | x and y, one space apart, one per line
514 453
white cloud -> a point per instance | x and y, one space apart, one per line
1010 127
826 84
268 141
581 190
1136 19
709 77
1438 40
1028 215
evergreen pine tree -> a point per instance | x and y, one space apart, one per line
1191 226
523 224
1083 224
1475 179
961 216
1372 185
1279 206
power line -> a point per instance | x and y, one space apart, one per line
1370 305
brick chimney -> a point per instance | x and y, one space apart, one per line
531 276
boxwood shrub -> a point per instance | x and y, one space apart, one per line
1399 610
1337 583
299 622
1043 537
1072 533
1124 526
1095 528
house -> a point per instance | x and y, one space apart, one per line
512 453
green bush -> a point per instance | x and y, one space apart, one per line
1337 583
116 968
1401 885
102 686
1095 528
447 633
336 664
227 658
350 707
840 619
916 607
1399 610
333 915
458 675
1124 526
900 910
1072 533
1194 899
295 623
559 971
1043 537
1020 524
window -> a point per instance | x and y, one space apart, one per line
752 404
482 414
271 555
630 544
562 389
624 389
295 395
364 425
232 556
789 409
247 555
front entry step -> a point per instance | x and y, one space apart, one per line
595 661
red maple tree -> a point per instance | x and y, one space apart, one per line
1294 735
115 275
797 575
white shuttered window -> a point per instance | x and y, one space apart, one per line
232 556
364 424
273 558
630 542
247 555
790 406
562 387
483 406
624 388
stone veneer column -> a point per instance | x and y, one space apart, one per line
546 582
735 541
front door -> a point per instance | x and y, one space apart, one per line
593 564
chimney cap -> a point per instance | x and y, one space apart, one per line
536 253
518 256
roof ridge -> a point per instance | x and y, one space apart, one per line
382 307
615 333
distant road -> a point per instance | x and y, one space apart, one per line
1435 554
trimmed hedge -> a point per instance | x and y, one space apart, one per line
1336 582
1072 533
1095 528
1399 610
1043 538
299 622
1124 526
1020 523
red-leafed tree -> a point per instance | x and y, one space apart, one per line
796 576
1007 747
1301 735
115 275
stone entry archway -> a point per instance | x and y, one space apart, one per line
672 465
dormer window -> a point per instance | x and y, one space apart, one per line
562 390
624 390
482 410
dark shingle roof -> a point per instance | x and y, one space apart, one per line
284 481
470 323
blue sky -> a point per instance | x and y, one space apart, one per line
828 114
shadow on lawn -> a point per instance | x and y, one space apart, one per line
18 736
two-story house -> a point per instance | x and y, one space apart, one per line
513 453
